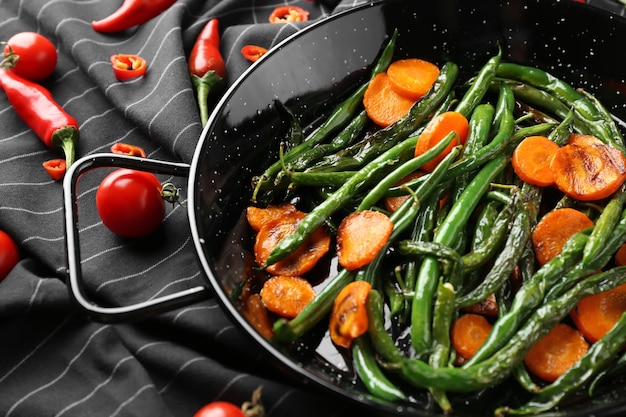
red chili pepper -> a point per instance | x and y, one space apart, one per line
55 168
253 52
38 109
284 14
131 13
206 66
125 149
127 66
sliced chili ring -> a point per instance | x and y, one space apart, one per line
55 168
284 14
253 52
126 149
127 66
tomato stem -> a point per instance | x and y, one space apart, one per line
170 193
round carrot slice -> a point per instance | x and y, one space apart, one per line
556 352
531 160
348 319
436 130
360 236
588 169
412 77
259 216
554 229
286 296
382 104
303 259
596 314
468 334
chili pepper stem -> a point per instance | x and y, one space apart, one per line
205 86
65 138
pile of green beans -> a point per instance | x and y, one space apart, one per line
444 255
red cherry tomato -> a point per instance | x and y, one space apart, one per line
220 409
9 255
130 203
30 55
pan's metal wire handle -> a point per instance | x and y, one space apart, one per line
74 276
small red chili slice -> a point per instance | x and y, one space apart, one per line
253 52
126 66
55 168
126 149
284 14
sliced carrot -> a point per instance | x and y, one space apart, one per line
436 130
348 319
360 236
485 307
620 256
556 352
303 259
554 229
259 216
468 334
393 203
587 169
382 104
412 77
254 311
596 314
531 160
287 296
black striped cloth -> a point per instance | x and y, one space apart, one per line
54 361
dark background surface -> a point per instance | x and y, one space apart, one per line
54 361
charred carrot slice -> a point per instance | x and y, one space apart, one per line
412 77
486 307
554 229
360 236
286 296
437 129
556 352
348 319
596 314
588 169
532 158
259 216
468 334
255 312
303 259
382 104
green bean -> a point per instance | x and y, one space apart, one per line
338 118
590 115
504 264
404 169
605 115
486 248
599 355
479 87
529 296
442 320
371 172
370 373
604 225
320 179
381 140
446 234
381 339
500 365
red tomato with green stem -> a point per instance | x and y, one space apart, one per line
9 254
131 203
30 55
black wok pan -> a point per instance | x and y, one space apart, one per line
312 71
